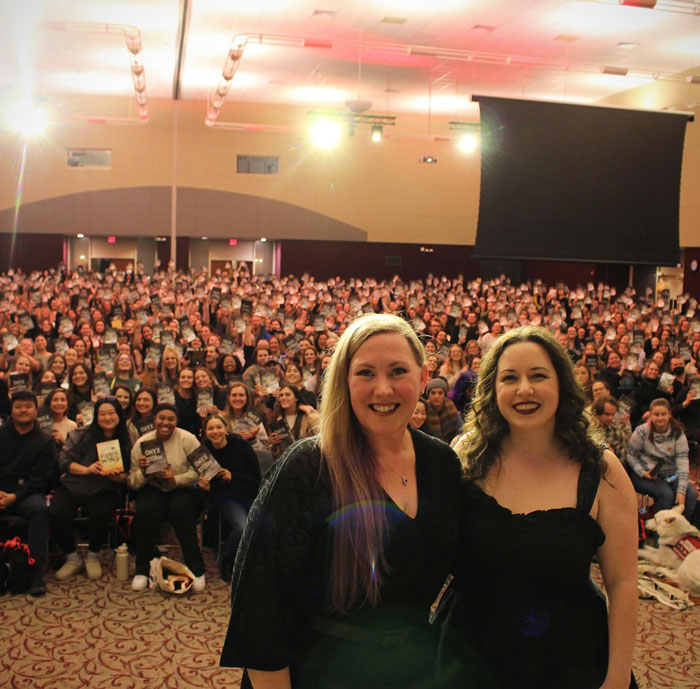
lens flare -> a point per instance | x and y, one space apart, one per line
325 134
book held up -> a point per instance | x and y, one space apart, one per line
110 455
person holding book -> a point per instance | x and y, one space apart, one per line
164 485
125 372
233 490
170 366
186 401
293 377
80 391
57 364
211 397
352 534
94 463
57 404
243 419
141 420
24 378
657 460
291 420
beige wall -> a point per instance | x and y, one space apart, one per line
380 189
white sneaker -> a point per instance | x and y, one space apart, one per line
140 582
199 583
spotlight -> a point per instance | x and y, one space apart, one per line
263 239
27 119
325 134
80 235
467 143
428 159
377 132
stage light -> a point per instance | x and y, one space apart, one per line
377 132
232 242
263 239
111 239
325 134
80 235
468 143
27 119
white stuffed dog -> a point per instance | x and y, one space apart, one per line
679 548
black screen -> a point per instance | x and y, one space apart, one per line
576 182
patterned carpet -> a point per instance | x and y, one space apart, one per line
101 634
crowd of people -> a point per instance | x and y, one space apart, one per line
238 362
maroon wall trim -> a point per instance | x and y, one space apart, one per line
31 251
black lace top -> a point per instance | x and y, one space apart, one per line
531 609
280 578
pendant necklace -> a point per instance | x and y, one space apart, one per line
404 478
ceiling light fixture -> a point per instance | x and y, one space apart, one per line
28 119
80 235
615 71
377 132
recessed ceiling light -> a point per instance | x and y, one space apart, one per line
626 45
394 20
485 28
80 235
567 37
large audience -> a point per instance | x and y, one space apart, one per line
235 362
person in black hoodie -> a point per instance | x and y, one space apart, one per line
236 486
27 469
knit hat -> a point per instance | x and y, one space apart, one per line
438 382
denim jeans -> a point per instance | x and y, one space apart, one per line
664 493
234 512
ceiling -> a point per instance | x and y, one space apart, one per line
398 54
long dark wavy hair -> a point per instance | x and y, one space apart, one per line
486 428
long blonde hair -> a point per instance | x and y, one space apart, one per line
359 522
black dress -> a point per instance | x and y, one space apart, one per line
280 599
531 610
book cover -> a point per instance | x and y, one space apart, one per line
666 381
18 381
248 421
204 463
154 452
269 381
145 425
197 356
100 385
45 421
60 345
228 346
9 341
166 394
154 352
110 455
205 399
87 410
280 427
105 359
46 388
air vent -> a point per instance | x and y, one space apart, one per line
257 165
93 158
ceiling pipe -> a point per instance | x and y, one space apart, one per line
241 41
132 38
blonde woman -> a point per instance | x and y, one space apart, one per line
353 533
170 364
455 362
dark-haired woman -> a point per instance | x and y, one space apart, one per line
657 458
298 420
141 420
352 535
88 484
540 500
234 489
79 390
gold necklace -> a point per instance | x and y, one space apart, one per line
402 473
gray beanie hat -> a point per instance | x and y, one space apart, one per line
438 382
